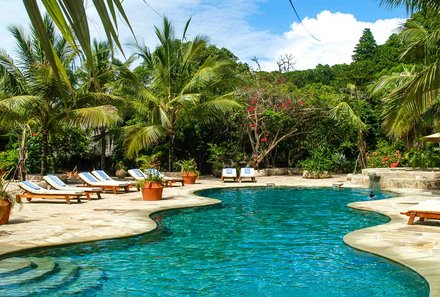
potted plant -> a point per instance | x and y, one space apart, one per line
188 170
120 170
7 201
151 187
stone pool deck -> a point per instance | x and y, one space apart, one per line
43 223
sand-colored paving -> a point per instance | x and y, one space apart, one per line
46 223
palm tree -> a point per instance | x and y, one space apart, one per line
349 110
105 77
179 75
35 96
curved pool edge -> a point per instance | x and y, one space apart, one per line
414 246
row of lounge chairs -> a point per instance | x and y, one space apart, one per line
93 183
231 173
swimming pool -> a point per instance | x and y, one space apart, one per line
258 242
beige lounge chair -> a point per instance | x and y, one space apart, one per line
229 173
247 172
56 183
34 191
91 181
101 175
429 209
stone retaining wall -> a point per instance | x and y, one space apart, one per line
399 178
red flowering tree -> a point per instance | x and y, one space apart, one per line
271 114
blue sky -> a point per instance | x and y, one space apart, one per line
277 15
265 29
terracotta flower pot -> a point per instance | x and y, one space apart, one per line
5 211
189 177
152 191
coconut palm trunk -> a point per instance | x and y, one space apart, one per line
44 151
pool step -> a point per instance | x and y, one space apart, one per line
14 265
40 276
89 279
43 267
65 273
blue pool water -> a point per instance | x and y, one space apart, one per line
258 242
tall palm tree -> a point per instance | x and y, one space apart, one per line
33 94
179 75
105 77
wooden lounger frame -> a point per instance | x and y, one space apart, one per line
169 183
97 192
114 189
422 214
30 196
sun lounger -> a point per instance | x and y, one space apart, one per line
167 179
91 181
34 191
229 173
58 184
429 209
101 175
137 174
247 173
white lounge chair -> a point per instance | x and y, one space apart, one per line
137 174
247 172
229 173
167 179
34 191
56 183
91 181
429 209
101 175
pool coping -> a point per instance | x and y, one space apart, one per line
415 246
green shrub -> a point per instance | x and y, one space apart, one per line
385 155
321 160
426 157
8 159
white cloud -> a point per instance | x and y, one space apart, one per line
226 23
338 33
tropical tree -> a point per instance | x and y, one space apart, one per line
105 77
175 91
272 114
33 94
366 48
349 110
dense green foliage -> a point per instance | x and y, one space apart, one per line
189 100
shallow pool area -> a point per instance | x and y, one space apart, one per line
259 242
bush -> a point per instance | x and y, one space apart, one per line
426 157
321 160
8 159
384 156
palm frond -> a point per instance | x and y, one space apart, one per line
138 137
344 111
159 117
210 111
93 117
